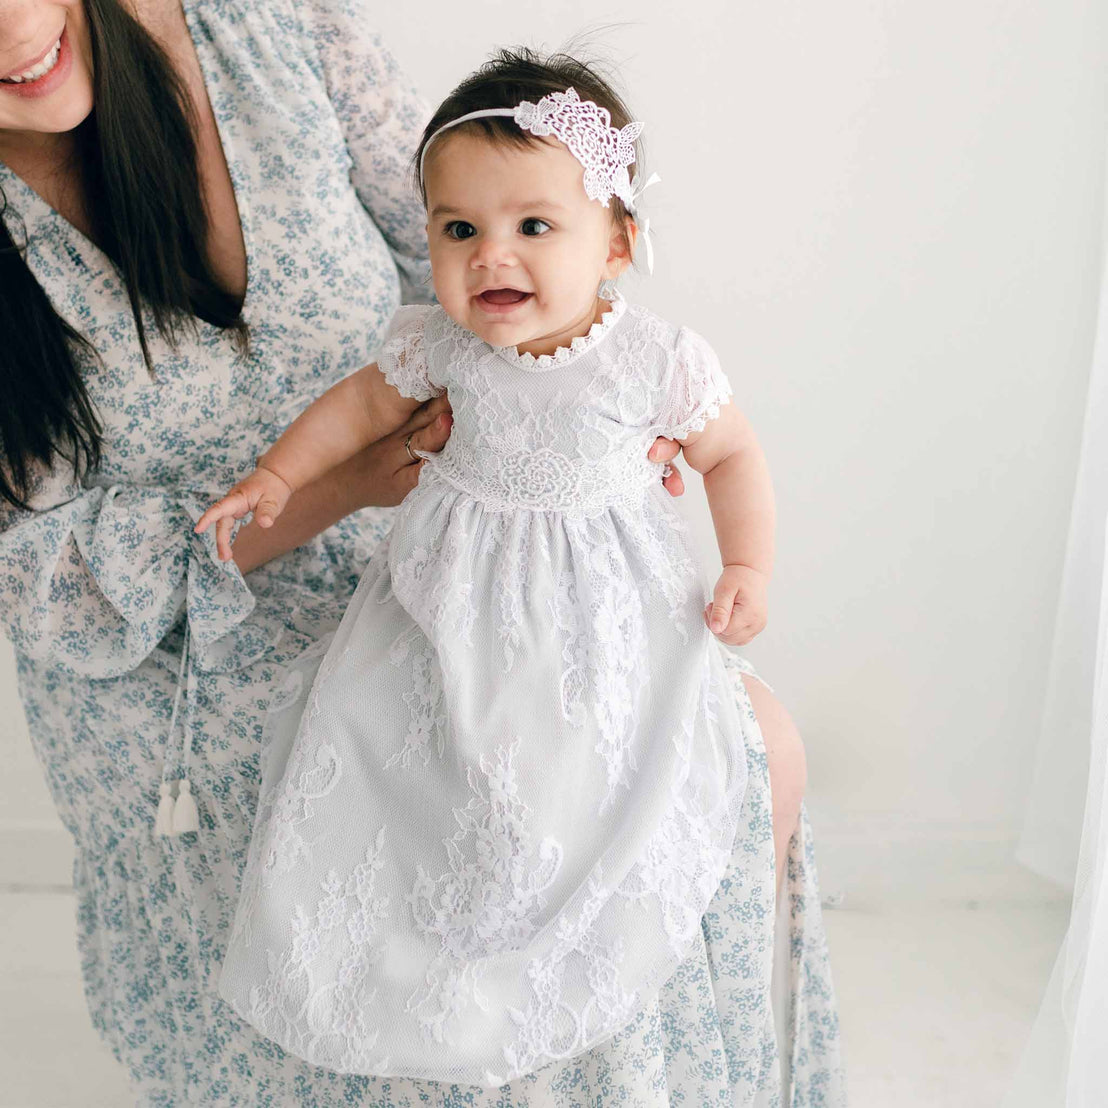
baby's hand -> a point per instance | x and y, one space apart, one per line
738 609
263 493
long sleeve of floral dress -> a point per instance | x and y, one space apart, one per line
380 111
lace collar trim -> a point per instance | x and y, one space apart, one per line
581 344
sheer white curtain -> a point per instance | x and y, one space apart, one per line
1065 836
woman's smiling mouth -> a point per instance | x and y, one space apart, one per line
45 75
39 68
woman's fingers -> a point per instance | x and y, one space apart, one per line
663 450
390 472
429 427
672 482
427 430
407 477
430 438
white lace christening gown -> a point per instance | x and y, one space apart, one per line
490 837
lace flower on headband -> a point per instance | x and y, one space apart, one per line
586 130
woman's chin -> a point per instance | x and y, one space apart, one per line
49 118
69 118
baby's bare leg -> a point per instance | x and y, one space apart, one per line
788 769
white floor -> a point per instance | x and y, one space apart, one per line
935 998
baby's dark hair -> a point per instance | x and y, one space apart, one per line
511 76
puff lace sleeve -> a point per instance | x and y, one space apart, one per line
403 359
94 577
696 389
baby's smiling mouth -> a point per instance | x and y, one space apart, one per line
502 299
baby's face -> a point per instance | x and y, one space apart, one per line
517 247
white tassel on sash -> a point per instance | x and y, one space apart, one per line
185 815
175 817
163 822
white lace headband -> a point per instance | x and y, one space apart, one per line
586 130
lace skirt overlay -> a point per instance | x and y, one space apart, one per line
491 828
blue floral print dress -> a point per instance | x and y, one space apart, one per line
105 585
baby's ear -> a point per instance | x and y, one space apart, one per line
621 247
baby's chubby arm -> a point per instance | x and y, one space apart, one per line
740 495
349 416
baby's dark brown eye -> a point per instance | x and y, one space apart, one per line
534 227
459 229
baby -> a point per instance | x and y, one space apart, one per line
488 832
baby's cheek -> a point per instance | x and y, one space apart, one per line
453 302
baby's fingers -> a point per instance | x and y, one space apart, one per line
266 511
745 623
723 603
234 505
739 630
223 537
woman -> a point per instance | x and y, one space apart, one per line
209 223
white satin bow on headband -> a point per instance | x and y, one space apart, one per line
586 130
644 225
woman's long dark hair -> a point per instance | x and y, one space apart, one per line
138 165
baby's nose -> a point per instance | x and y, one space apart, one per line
491 251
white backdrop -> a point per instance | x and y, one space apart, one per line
886 217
